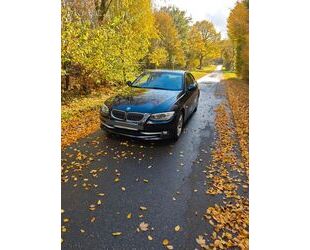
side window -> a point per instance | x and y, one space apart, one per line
188 80
193 79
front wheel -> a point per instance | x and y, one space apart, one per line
177 131
196 103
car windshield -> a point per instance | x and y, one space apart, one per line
159 80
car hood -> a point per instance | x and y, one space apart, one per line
144 100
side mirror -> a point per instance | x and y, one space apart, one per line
191 87
129 83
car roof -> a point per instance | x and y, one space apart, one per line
181 72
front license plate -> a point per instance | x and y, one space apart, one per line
126 125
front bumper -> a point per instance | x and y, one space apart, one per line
145 131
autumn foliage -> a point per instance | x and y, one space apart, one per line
111 41
238 32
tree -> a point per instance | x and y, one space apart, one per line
102 7
227 54
110 51
238 32
132 28
169 39
211 40
180 20
158 57
197 48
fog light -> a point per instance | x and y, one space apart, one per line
165 132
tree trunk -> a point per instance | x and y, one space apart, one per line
67 82
200 61
102 8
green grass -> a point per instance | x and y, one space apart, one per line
229 75
198 73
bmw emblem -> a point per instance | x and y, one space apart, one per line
128 108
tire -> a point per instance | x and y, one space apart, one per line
177 131
196 105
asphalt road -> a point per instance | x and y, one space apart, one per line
167 178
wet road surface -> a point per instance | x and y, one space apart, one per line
167 178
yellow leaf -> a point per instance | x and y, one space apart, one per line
214 234
66 220
165 242
100 194
92 207
177 228
129 216
201 241
143 208
150 237
117 233
93 219
99 202
145 180
116 180
123 188
82 230
143 226
170 247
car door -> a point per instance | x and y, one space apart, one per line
189 93
195 93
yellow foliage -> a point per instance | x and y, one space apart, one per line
238 32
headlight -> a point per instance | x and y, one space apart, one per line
105 109
162 116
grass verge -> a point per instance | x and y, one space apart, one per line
198 73
80 117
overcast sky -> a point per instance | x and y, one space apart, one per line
216 11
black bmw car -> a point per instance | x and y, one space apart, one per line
154 106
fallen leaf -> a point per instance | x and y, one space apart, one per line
82 230
92 207
66 220
99 202
177 228
129 216
201 241
150 237
100 194
123 188
117 233
143 208
116 180
170 247
93 219
165 242
143 226
214 234
145 180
